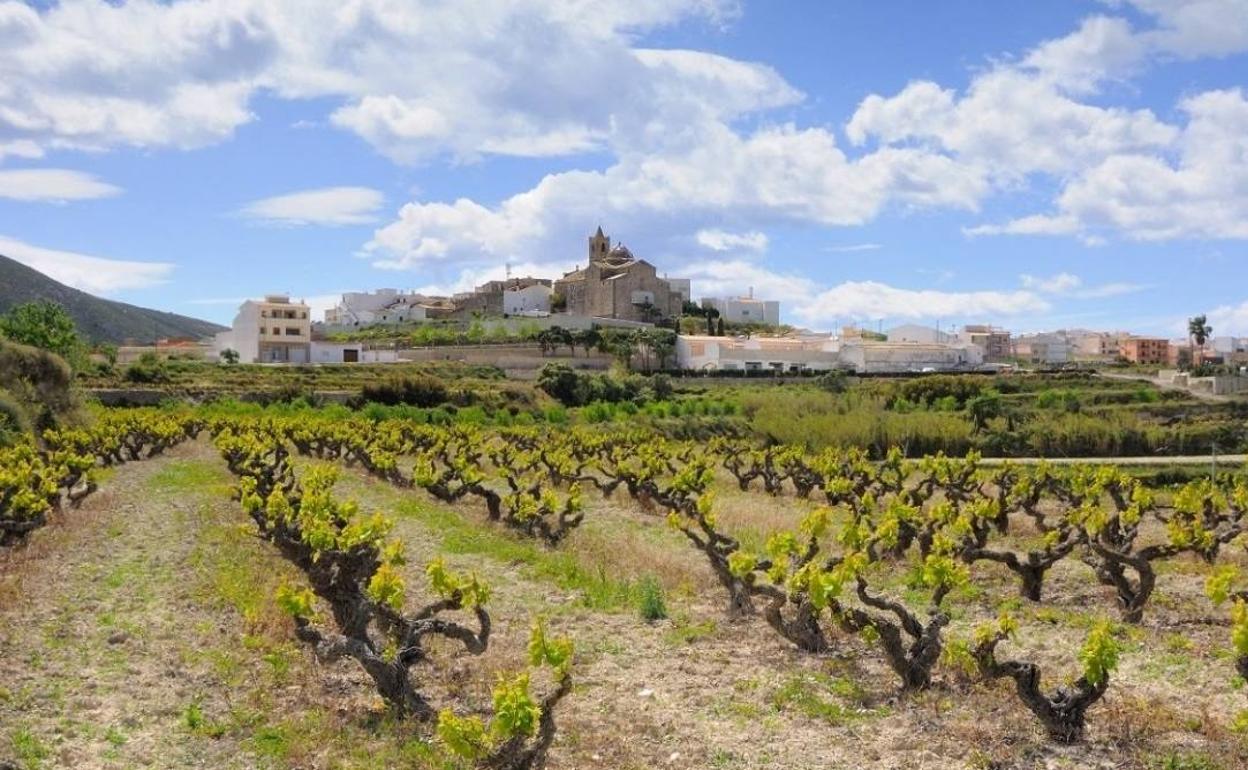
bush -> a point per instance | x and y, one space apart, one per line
572 388
416 390
148 369
37 386
834 381
928 390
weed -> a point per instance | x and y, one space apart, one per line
650 601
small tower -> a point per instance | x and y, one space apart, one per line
599 245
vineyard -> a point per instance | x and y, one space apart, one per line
192 588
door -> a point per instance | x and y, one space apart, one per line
350 356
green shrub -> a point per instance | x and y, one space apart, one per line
651 604
413 390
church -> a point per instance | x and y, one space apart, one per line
615 284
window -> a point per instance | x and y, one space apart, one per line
292 331
277 330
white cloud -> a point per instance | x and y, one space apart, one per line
52 184
1193 28
1202 194
823 306
1229 319
779 172
1056 284
1116 289
853 247
722 240
324 206
95 275
870 299
1010 123
523 77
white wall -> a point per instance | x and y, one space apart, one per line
746 310
528 299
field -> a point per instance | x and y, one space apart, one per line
176 601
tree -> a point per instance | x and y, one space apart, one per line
719 329
44 325
588 338
1198 330
711 314
229 356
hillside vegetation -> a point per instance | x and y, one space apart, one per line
99 320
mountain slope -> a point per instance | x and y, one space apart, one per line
99 320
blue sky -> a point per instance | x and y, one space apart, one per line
1033 164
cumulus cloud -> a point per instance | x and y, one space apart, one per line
325 206
521 77
810 303
95 275
1203 193
781 171
56 185
722 240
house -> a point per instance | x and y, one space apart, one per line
615 284
1045 348
745 310
1088 345
993 341
1144 350
358 308
271 330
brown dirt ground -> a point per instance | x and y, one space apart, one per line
201 669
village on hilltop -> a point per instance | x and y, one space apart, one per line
618 292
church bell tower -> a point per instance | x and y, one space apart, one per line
599 245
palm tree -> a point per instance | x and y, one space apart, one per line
1198 330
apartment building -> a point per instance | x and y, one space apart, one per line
1145 350
272 330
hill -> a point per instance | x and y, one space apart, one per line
99 320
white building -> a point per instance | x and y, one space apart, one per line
1088 345
745 310
272 330
1044 348
681 286
871 357
777 354
1227 345
381 306
533 299
919 333
821 353
350 353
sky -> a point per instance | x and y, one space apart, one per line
1036 165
